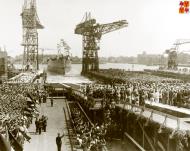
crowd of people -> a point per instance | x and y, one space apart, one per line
139 88
18 107
26 77
89 136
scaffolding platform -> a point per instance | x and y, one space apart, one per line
167 120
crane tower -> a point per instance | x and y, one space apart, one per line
30 24
91 35
173 53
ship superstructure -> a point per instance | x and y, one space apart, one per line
62 62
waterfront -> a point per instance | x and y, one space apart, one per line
98 107
136 78
74 76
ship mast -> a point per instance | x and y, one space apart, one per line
63 48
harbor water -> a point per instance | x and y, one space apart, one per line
74 76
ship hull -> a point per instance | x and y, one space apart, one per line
59 66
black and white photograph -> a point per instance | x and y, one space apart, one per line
95 75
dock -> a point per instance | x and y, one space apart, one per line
56 124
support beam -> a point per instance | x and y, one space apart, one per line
134 142
147 137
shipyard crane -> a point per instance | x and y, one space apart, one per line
180 42
30 23
173 52
91 34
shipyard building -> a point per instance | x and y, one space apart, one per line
3 65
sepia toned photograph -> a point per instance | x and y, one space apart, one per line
95 75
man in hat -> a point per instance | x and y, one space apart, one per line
59 141
51 101
37 125
40 126
44 119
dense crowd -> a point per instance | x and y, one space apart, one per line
18 106
139 88
26 77
131 75
89 137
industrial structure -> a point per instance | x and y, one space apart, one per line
31 24
91 35
3 66
173 53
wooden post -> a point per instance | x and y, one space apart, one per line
168 144
94 115
143 135
178 124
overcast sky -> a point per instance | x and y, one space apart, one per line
154 25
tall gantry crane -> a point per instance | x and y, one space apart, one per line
30 24
91 34
173 53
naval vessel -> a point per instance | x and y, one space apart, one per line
61 63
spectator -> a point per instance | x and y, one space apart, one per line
52 101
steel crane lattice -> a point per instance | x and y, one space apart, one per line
30 24
91 34
173 53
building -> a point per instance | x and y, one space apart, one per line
3 66
151 59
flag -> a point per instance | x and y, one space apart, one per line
26 136
30 96
28 109
14 143
4 144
